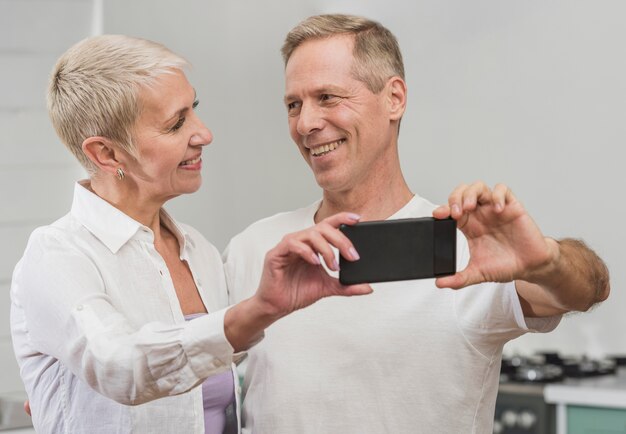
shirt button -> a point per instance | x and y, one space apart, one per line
79 307
161 272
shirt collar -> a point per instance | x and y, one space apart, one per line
111 226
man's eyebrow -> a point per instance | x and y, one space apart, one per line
327 88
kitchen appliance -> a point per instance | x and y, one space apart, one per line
521 407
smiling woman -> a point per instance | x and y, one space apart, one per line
166 159
117 305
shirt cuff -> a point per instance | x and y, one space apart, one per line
206 344
532 325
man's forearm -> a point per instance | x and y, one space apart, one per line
578 279
587 269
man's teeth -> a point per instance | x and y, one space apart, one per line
189 162
324 149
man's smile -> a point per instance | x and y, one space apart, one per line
326 148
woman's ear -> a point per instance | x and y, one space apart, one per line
103 153
396 94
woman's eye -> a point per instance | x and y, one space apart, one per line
178 125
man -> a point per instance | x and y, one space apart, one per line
414 356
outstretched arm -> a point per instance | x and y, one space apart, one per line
505 245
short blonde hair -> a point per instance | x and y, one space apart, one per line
377 55
94 89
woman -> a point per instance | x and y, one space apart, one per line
100 297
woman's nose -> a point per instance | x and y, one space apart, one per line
202 136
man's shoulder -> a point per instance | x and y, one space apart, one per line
269 230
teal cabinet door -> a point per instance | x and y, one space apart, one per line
592 420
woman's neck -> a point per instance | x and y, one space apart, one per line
130 201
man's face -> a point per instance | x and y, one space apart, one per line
343 130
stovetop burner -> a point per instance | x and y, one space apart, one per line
549 367
520 406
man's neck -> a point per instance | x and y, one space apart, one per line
374 204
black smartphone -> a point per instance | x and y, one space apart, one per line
404 249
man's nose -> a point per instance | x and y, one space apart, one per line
310 119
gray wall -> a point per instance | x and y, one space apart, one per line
36 172
530 93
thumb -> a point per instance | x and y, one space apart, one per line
458 280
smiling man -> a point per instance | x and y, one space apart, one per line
419 356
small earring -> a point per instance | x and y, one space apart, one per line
120 173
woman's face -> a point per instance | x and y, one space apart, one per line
168 140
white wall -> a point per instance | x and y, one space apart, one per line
529 93
36 172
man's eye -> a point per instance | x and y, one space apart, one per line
327 97
195 104
178 125
293 106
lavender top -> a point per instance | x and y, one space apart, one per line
218 392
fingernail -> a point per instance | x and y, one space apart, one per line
455 209
354 254
499 207
335 265
353 216
316 259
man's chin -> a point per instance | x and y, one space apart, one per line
330 183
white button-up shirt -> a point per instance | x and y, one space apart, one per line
98 331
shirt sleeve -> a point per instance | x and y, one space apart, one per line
69 316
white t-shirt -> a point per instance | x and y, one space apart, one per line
96 325
409 358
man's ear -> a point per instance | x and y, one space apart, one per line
396 95
103 153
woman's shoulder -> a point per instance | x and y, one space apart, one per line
51 246
61 231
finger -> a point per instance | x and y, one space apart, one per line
477 193
455 201
442 212
456 281
338 219
347 290
337 239
292 245
501 195
461 279
362 289
27 407
318 243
